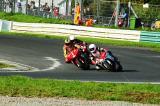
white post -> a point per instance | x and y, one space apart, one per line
80 2
117 13
129 6
69 7
1 25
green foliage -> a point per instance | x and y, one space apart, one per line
156 2
142 1
147 13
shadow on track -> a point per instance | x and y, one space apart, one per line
129 71
94 69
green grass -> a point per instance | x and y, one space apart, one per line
31 19
28 87
3 65
147 45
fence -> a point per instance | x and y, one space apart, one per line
12 6
101 10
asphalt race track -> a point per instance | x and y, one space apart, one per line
139 65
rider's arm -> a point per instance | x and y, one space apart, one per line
65 51
93 62
102 50
77 46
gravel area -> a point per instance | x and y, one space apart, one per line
22 101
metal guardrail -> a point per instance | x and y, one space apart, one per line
150 36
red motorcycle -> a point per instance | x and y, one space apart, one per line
109 62
79 56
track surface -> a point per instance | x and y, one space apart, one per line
140 65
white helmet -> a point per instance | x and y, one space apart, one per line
71 37
92 48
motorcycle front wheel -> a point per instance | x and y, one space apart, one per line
108 65
83 64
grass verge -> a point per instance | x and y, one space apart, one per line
31 19
147 45
28 87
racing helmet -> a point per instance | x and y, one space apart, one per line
67 41
92 48
71 37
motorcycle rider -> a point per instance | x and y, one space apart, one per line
95 53
75 40
70 43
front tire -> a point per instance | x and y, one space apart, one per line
108 65
84 65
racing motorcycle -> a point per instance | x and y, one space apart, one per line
109 62
79 56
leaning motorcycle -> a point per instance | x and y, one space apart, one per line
108 62
79 56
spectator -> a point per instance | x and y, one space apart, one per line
28 7
89 22
77 18
7 6
46 7
32 5
125 19
19 6
10 4
46 10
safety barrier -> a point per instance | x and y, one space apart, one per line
0 25
5 25
59 29
150 36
